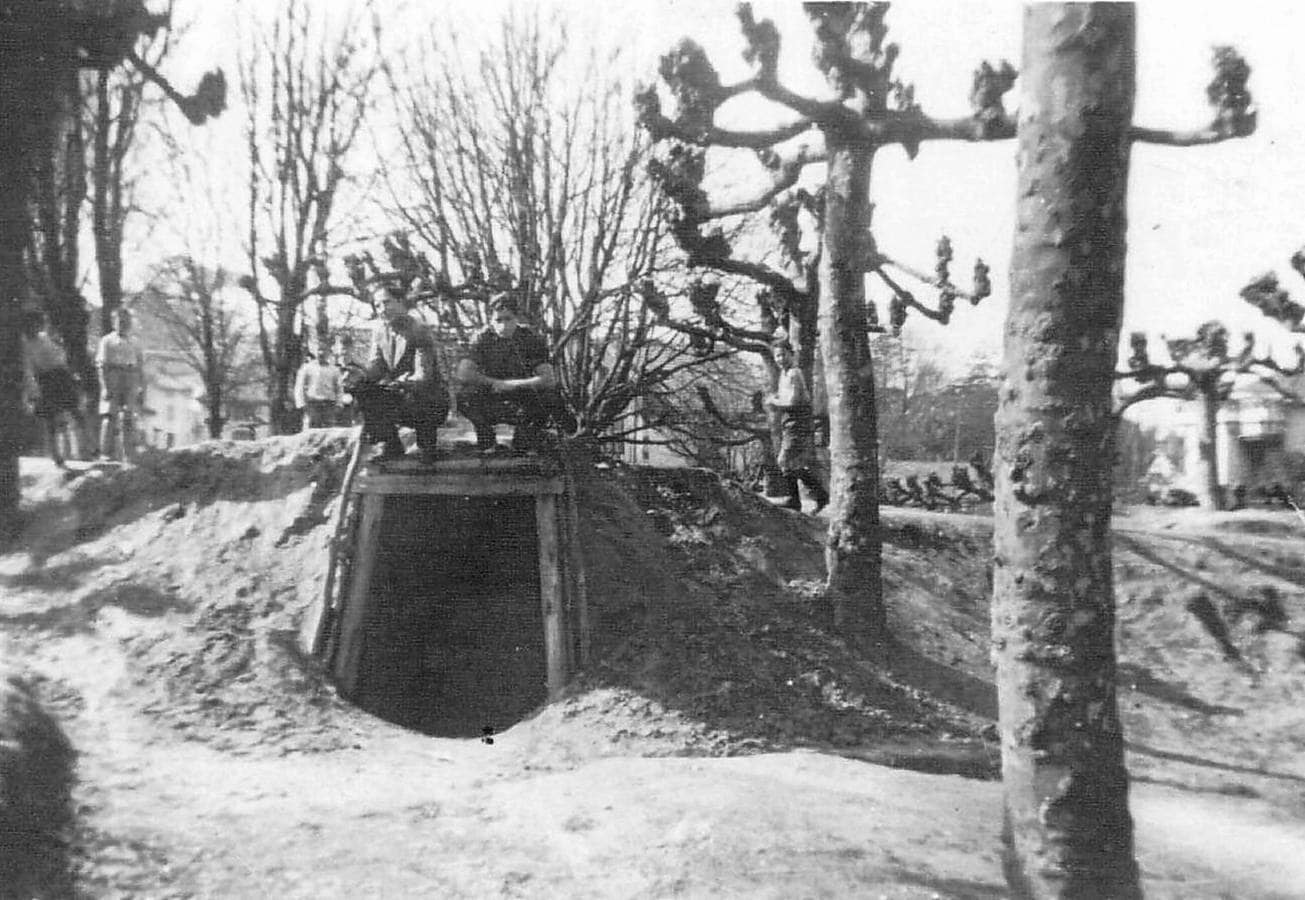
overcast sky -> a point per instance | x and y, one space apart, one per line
1202 220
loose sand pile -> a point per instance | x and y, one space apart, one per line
157 611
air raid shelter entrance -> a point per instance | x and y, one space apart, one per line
455 599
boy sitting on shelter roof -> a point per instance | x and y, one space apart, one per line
401 383
508 378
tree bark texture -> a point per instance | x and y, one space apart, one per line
853 555
1208 449
1068 830
13 238
27 108
106 199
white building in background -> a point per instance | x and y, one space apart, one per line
174 411
1259 429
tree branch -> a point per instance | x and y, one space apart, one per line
660 128
784 174
1213 134
709 404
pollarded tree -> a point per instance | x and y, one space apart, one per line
1202 369
308 86
869 109
1068 829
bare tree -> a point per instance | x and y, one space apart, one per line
308 87
201 325
1202 369
54 250
114 104
518 169
870 109
46 46
1068 828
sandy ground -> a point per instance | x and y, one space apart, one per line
724 746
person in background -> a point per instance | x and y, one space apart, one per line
318 389
792 400
401 383
121 366
50 387
508 377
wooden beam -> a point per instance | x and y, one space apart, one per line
459 485
354 616
576 565
550 594
340 548
464 465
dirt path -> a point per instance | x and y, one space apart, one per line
212 765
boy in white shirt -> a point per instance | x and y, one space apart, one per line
121 366
319 390
792 400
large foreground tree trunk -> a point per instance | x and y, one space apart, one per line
1068 830
1207 445
26 108
13 237
853 555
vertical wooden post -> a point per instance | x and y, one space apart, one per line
550 593
576 564
355 614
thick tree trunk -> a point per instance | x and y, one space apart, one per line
1208 450
286 362
1068 829
26 108
13 237
852 550
106 216
215 419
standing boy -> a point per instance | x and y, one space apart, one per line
121 366
792 400
50 386
318 391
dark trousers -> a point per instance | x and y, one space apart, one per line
385 407
529 411
812 482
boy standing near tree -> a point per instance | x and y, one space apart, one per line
792 400
50 386
121 366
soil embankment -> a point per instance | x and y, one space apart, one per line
157 609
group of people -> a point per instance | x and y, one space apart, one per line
508 377
53 394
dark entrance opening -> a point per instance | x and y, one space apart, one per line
454 642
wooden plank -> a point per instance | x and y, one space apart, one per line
576 564
342 534
487 485
550 594
461 465
353 618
